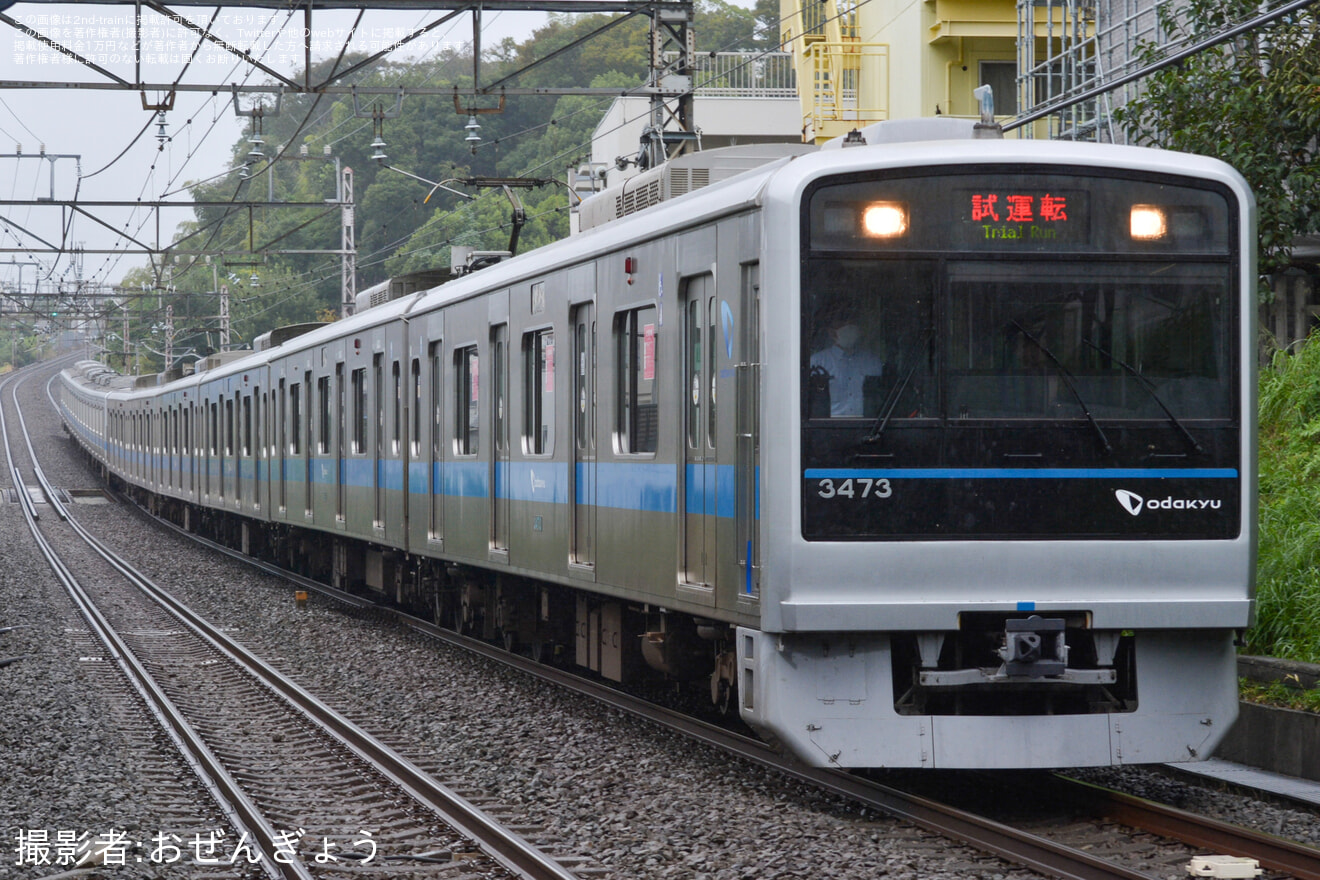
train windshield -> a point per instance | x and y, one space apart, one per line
965 343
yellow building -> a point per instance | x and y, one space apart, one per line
897 59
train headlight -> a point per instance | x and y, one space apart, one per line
1148 222
885 219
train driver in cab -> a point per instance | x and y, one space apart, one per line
841 369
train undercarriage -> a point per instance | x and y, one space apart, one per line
621 641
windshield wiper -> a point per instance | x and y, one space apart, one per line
887 410
1067 380
1149 388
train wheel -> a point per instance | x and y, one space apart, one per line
726 697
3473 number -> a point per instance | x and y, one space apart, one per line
859 487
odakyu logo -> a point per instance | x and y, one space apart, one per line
1135 504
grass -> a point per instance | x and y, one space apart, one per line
1288 566
1280 693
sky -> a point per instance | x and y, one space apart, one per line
90 129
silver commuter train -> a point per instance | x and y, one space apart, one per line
936 452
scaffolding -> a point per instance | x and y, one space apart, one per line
1067 46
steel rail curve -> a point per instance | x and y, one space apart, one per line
1023 848
238 809
1019 847
505 847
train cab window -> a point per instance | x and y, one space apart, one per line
467 415
539 392
358 380
637 404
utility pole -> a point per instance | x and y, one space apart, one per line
348 244
224 317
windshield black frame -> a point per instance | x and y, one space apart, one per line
1058 356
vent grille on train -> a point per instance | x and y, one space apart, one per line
679 177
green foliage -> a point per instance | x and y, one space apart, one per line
1288 694
1288 569
401 226
20 346
1254 103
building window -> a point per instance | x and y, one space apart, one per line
1001 77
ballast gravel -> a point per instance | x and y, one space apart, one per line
638 801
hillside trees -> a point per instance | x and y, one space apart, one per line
397 228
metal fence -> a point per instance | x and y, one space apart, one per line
743 75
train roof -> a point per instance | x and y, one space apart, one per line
782 179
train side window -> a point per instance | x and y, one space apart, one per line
637 402
229 427
467 416
539 392
416 369
397 434
295 419
247 425
437 388
359 383
323 401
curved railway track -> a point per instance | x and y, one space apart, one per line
306 792
1034 851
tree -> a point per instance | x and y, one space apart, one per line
1254 103
397 231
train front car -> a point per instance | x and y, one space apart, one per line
1008 498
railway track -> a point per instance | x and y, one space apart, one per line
304 791
1038 852
1030 850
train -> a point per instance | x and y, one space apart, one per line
923 448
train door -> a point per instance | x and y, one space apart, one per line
747 428
281 446
699 471
378 447
188 461
583 497
306 441
213 447
436 526
341 432
499 491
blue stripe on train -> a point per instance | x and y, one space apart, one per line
1020 473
